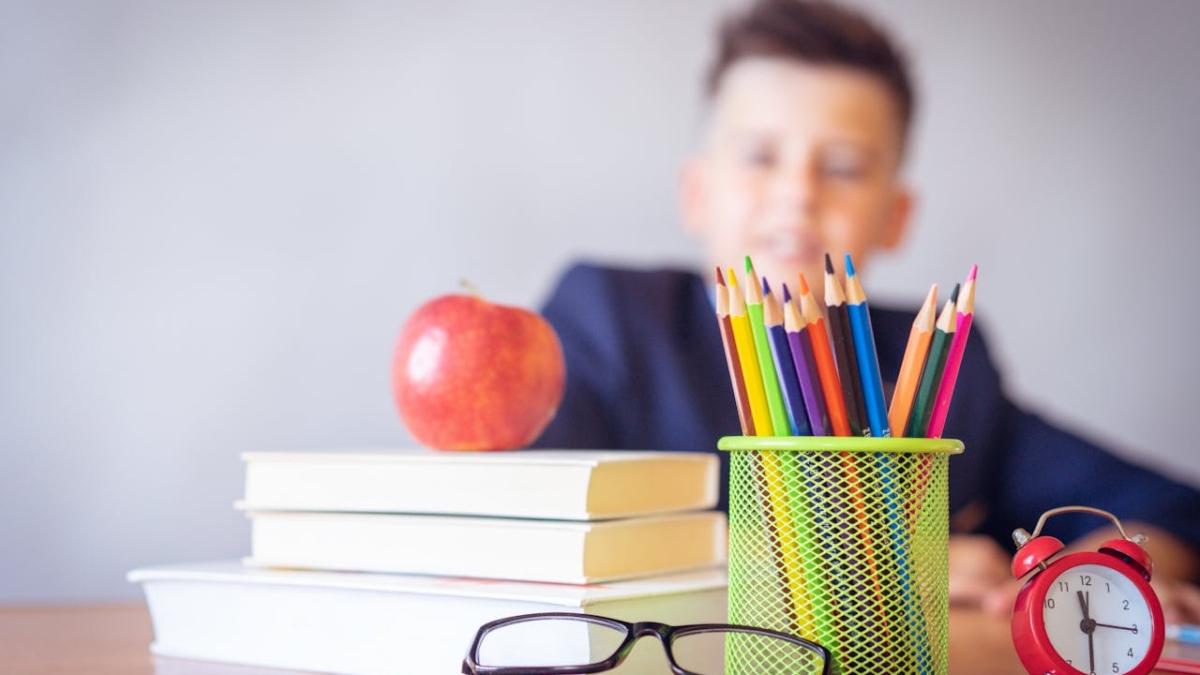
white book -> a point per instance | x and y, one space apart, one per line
376 624
559 484
573 552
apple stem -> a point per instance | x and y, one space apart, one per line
472 288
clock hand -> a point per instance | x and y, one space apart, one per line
1109 625
1091 653
1088 626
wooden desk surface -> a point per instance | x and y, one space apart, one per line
115 639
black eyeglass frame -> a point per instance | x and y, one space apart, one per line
633 631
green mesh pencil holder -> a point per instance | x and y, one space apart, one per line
843 540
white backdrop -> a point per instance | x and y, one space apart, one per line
215 216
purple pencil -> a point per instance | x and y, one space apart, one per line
806 366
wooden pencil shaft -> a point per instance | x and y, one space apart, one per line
793 398
868 362
744 340
847 365
810 382
914 359
766 365
736 378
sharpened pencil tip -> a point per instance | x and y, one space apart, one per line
828 264
766 286
849 266
749 265
803 285
720 277
787 297
732 278
954 293
971 276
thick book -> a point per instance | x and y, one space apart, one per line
561 551
372 624
566 484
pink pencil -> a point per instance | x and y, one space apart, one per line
966 312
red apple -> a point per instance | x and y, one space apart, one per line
469 374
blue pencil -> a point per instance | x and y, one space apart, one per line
789 386
864 349
1185 633
872 382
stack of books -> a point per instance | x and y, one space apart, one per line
388 562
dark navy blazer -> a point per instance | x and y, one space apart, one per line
646 370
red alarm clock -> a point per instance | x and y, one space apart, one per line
1085 613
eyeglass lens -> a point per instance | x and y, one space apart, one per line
549 642
738 653
561 642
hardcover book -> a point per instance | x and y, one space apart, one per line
372 624
575 552
567 484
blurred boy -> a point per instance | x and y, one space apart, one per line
811 106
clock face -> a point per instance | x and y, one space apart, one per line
1097 620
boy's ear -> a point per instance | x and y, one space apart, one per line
692 195
903 205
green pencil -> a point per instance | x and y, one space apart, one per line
766 363
931 375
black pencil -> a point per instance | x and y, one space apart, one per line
843 349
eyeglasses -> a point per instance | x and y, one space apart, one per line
564 643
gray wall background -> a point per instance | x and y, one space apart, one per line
215 216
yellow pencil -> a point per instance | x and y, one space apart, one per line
748 357
767 465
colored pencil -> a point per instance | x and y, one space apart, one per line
1188 634
893 505
766 464
826 367
849 488
766 488
736 379
919 338
864 350
962 330
816 495
931 373
762 347
744 339
806 366
785 370
843 348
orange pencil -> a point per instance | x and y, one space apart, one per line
736 378
826 368
914 360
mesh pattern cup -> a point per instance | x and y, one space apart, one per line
843 541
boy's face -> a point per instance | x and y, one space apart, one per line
799 160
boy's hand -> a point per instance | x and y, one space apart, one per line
1180 600
978 568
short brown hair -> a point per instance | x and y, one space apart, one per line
819 33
